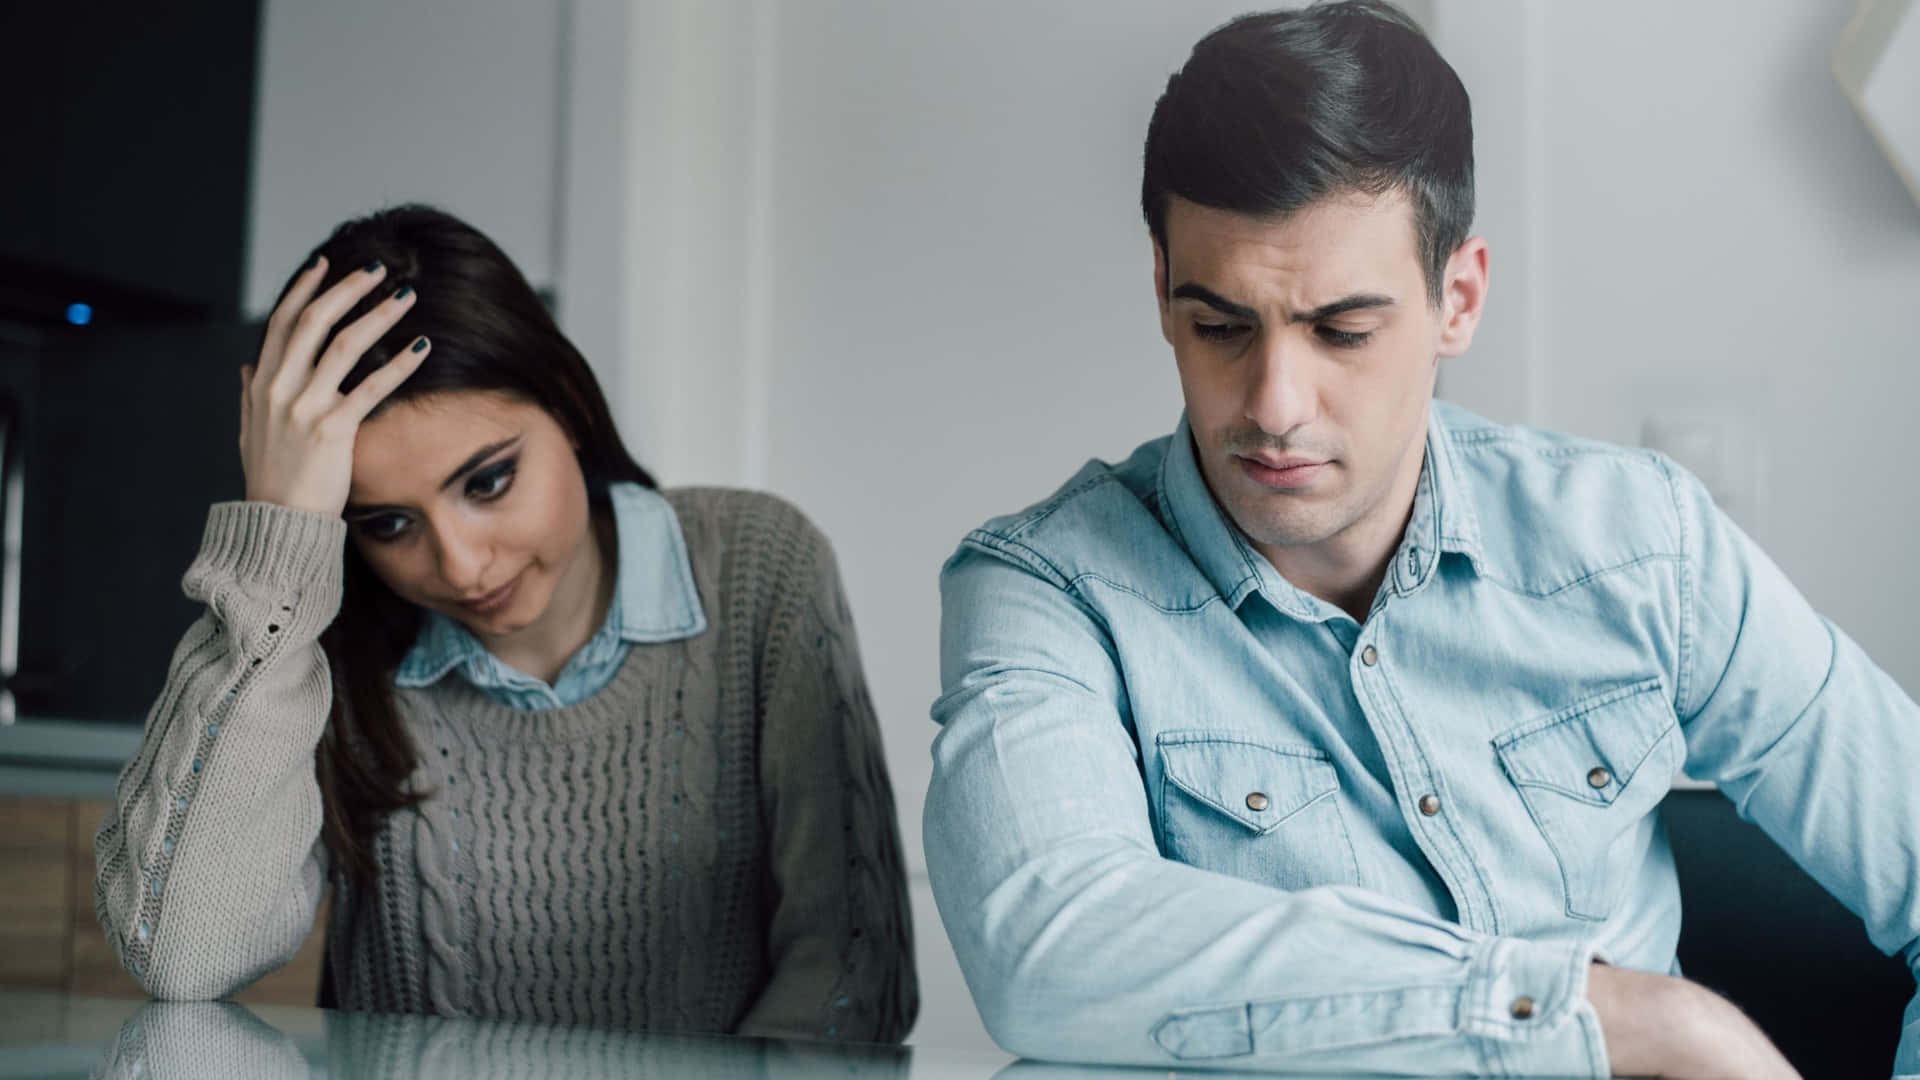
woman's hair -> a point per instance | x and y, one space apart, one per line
490 332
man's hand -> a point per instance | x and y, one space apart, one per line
1657 1025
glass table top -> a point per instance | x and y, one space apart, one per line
55 1036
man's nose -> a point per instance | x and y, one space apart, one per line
1280 394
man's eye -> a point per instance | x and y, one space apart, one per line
1344 339
493 482
1218 331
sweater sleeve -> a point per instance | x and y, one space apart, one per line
840 940
209 863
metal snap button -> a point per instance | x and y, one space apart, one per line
1599 777
1257 801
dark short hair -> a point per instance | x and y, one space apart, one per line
1277 110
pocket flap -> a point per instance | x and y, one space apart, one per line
1568 751
1234 776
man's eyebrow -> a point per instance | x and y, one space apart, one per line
1357 302
1193 291
473 462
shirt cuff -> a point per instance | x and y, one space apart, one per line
1527 1004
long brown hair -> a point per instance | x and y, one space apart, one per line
490 332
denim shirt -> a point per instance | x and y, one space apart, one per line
654 600
1183 812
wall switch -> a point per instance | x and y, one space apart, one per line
1720 449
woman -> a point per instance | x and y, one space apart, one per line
567 748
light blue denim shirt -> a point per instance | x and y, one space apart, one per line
654 600
1183 812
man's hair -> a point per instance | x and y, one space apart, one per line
1278 110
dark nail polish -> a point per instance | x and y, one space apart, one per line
312 262
420 345
373 267
403 292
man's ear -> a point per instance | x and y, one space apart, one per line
1463 297
1160 287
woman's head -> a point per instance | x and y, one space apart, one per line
489 330
472 482
472 489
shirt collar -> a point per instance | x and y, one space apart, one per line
654 600
658 600
1442 521
1455 528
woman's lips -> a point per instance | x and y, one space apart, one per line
494 600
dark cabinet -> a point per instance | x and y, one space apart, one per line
120 439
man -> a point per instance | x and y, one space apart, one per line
1330 732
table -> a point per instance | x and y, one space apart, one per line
56 1036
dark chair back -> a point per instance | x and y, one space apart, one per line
1757 929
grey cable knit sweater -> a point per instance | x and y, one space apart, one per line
708 844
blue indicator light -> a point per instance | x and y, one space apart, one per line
79 314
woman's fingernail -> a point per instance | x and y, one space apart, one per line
315 261
373 267
419 345
403 292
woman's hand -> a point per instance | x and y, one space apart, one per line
296 428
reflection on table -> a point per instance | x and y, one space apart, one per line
222 1040
52 1035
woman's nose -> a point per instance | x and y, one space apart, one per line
463 561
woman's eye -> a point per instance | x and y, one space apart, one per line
491 483
1344 339
1218 331
383 528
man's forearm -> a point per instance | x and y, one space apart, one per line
1658 1025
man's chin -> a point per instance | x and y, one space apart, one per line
1299 523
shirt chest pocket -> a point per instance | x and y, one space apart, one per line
1590 776
1266 813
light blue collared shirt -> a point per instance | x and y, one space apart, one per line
654 600
1182 811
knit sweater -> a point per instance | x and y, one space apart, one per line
706 845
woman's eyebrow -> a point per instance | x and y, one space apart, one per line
478 456
357 510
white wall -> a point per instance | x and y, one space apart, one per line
1712 233
367 102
